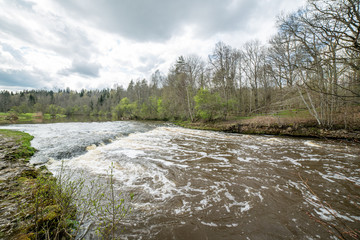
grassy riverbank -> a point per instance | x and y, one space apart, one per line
293 122
25 118
20 142
36 205
28 207
285 124
12 117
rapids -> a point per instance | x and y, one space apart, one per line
193 184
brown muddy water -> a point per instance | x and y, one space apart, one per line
193 184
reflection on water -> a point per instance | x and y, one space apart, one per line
192 184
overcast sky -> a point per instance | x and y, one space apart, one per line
48 44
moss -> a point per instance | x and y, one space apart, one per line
43 168
26 236
23 179
29 194
23 140
29 174
36 193
50 213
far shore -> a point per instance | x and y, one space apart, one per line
269 125
259 125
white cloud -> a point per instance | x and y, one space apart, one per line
81 45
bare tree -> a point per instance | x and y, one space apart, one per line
224 62
252 67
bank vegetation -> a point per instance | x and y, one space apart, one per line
35 204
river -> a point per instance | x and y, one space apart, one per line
194 184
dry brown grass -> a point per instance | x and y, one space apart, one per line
278 121
347 118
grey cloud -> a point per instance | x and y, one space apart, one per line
22 4
15 30
82 68
149 63
158 20
14 52
25 79
145 68
72 41
150 59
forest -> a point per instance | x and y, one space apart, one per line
312 63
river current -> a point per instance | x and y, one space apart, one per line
193 184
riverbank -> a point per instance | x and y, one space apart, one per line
34 118
269 125
286 123
28 208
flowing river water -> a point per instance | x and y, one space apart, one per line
193 184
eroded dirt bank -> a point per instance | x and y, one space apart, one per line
274 126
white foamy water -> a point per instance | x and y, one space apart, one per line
192 184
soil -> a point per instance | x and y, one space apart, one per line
268 125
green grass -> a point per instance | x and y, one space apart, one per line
47 116
293 113
282 114
21 117
23 139
249 117
26 116
3 116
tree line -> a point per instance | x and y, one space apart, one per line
312 62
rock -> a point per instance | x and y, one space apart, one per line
12 192
28 208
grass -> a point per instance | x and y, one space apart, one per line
242 118
46 207
293 113
284 117
23 140
3 117
6 117
38 213
27 117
